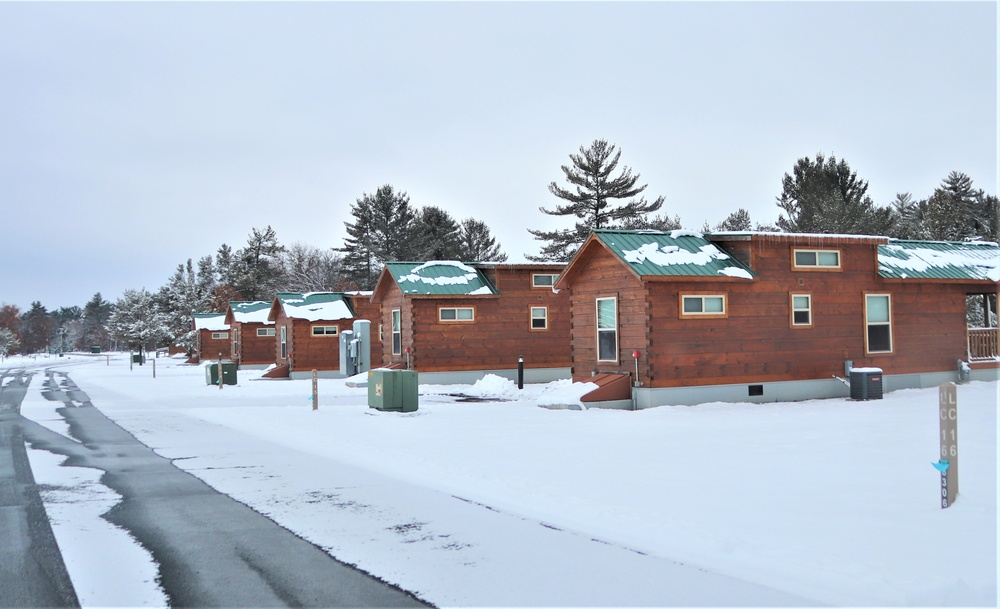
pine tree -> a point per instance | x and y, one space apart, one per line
184 294
36 328
739 220
437 235
10 318
8 342
907 217
477 244
96 313
594 199
137 320
826 196
382 231
259 271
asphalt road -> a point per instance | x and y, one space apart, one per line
211 550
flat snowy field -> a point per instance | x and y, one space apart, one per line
503 503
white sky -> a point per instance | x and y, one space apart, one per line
136 135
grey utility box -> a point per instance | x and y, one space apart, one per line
866 383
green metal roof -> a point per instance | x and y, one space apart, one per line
245 311
440 278
672 254
976 261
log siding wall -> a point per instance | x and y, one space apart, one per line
756 341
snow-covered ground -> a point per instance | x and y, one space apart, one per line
502 503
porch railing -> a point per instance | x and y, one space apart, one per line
984 344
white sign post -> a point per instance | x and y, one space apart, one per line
315 377
948 463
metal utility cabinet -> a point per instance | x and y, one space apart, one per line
393 390
228 373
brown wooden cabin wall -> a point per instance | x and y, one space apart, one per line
255 349
500 333
210 348
757 343
602 275
316 352
393 299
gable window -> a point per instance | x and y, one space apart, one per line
539 318
456 314
325 330
878 323
284 342
220 335
801 310
607 329
265 331
543 280
703 305
815 259
397 334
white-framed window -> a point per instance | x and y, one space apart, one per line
448 314
607 329
220 335
236 342
801 310
265 331
878 323
284 342
539 318
815 259
703 305
543 280
325 330
397 332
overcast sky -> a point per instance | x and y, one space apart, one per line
134 136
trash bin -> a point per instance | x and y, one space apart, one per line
866 383
95 349
394 390
228 373
137 358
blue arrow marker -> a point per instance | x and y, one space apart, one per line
942 465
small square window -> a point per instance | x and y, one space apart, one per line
801 310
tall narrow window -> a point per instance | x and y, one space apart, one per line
878 323
801 310
397 332
607 330
236 342
284 342
539 318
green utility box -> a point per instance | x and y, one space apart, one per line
137 358
228 373
95 349
394 390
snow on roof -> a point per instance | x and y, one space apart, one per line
901 259
315 306
440 277
212 322
678 253
250 311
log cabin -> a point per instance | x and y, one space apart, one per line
212 339
686 318
308 327
253 336
455 322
